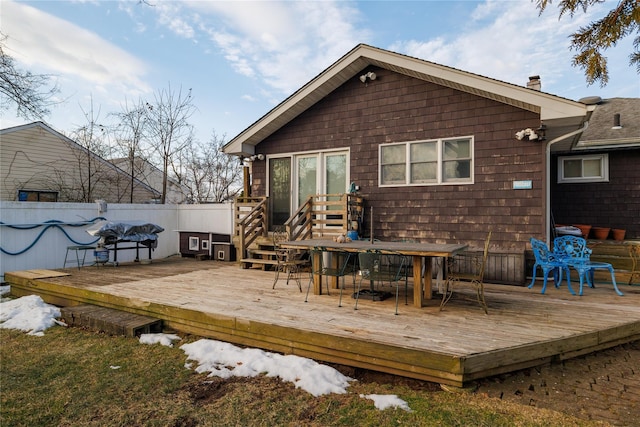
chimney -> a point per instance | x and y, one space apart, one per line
534 83
616 122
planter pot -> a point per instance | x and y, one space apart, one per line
584 229
618 233
600 233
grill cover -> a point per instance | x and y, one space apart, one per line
130 231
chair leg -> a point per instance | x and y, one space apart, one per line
613 279
533 281
294 271
544 282
358 293
306 298
277 276
447 292
397 290
480 295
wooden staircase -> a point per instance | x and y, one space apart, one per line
322 215
261 254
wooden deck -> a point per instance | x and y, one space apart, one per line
455 346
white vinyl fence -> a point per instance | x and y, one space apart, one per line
36 235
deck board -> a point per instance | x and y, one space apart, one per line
453 346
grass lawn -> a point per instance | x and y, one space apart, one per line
73 377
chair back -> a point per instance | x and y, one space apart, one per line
378 266
572 247
541 251
343 266
485 256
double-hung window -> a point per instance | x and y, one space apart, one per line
430 162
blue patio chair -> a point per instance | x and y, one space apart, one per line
377 267
573 251
339 266
572 248
548 262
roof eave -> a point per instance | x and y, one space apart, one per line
550 107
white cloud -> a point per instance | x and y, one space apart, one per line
77 53
285 44
508 41
169 15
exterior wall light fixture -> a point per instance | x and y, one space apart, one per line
370 75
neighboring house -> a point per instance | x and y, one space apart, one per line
38 163
596 181
152 176
442 155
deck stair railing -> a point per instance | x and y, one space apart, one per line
320 216
326 216
250 222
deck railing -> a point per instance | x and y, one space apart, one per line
326 215
321 215
250 221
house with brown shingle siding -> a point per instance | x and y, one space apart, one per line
432 150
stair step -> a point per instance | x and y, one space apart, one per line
261 252
109 320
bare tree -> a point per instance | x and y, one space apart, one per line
129 136
211 175
27 91
90 137
169 127
600 35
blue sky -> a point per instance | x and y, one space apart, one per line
242 58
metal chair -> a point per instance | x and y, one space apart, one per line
475 277
548 262
572 248
634 254
340 265
382 267
573 251
78 261
290 261
586 273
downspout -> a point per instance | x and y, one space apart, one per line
548 165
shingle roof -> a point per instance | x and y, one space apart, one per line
601 131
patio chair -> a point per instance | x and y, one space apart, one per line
573 252
634 254
290 261
548 262
572 248
338 265
476 277
381 268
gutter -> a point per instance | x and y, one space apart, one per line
548 165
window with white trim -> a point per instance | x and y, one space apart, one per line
588 168
430 162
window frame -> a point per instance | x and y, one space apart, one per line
23 195
604 169
440 162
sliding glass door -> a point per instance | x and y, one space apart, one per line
293 179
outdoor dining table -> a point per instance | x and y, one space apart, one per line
420 252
